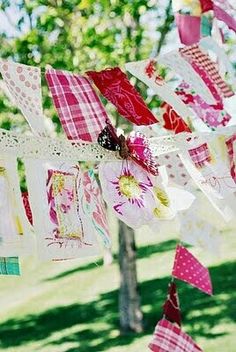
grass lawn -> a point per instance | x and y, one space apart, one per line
72 306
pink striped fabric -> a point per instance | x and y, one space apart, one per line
169 338
194 53
80 110
231 146
222 15
200 155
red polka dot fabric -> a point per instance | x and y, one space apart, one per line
187 268
24 85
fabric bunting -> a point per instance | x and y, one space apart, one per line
146 71
79 108
183 67
136 147
188 37
172 121
26 203
231 146
169 338
200 155
222 15
9 266
24 84
115 87
195 54
171 308
213 115
187 268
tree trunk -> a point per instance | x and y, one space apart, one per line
129 299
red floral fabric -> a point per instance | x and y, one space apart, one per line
172 121
115 86
26 203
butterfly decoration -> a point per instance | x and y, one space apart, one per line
136 147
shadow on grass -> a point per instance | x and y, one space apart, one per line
201 313
142 252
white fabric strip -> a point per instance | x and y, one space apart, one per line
178 64
24 85
137 69
208 43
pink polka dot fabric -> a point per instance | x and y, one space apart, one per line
187 268
24 85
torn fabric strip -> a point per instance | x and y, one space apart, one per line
9 266
80 110
115 87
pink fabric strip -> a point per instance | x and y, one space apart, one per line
187 268
231 146
222 15
200 155
80 110
195 54
188 28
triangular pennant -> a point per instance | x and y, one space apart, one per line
115 86
24 85
80 110
169 338
171 308
187 268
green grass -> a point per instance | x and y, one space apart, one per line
72 307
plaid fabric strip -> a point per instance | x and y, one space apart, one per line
194 53
80 110
200 155
170 338
9 266
231 146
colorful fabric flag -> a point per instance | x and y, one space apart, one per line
172 121
189 28
80 110
171 308
195 54
26 203
214 115
136 147
187 268
9 266
170 338
222 15
200 155
206 5
115 87
49 242
231 146
145 70
24 85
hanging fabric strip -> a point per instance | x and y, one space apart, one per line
222 15
187 268
195 54
115 87
188 28
231 145
49 242
200 155
9 266
214 116
206 5
210 44
15 230
182 67
169 337
171 308
172 121
24 85
145 71
94 206
79 108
